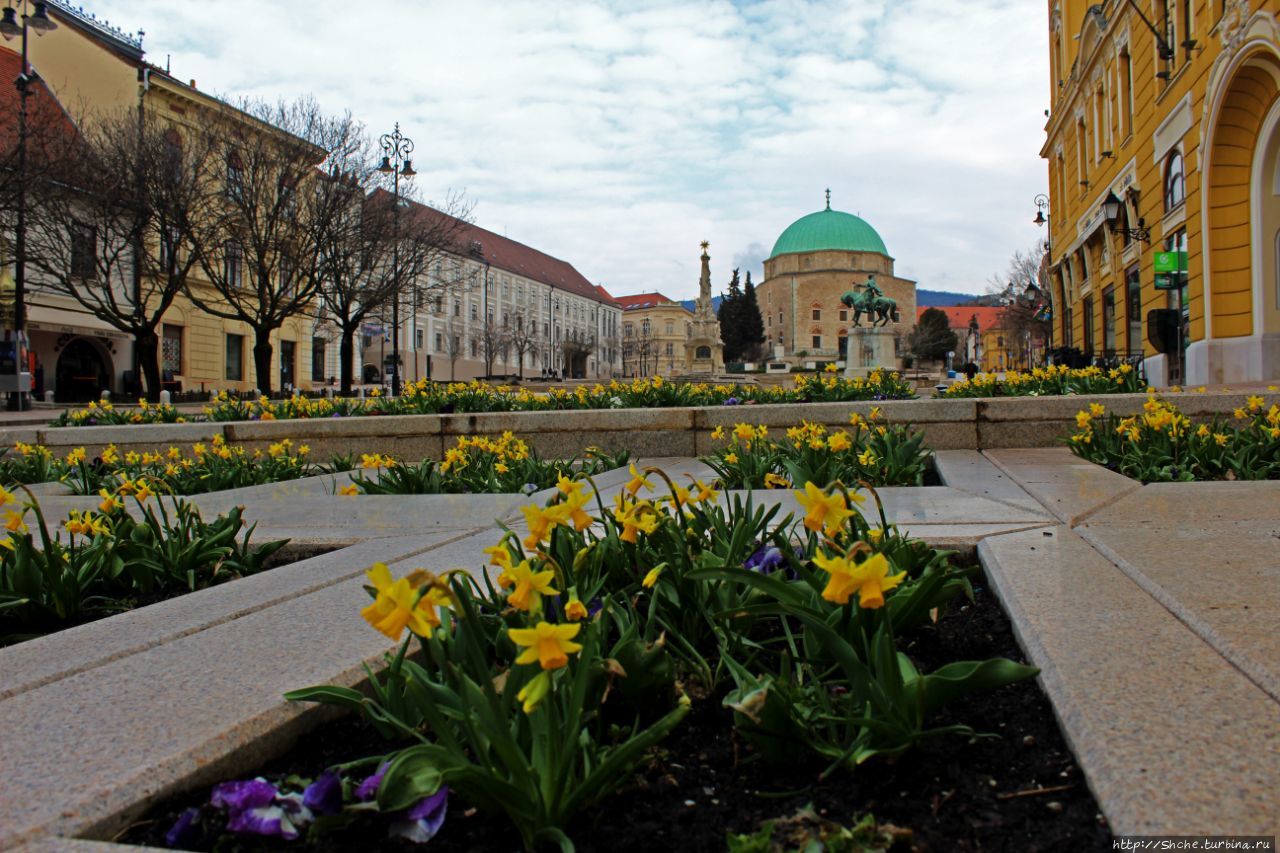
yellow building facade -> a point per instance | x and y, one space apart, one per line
1163 150
654 332
91 68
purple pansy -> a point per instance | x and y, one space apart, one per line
766 559
368 789
732 401
183 832
324 795
420 823
255 807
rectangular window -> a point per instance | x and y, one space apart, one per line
232 264
671 349
1068 330
439 342
235 358
171 350
817 341
475 348
1086 310
1109 321
1133 310
1126 93
317 359
235 178
288 361
417 339
844 315
84 251
817 313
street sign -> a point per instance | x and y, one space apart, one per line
1170 262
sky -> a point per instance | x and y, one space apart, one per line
618 135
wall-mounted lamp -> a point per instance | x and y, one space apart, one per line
1111 209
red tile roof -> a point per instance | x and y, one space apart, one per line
506 254
641 300
958 316
607 297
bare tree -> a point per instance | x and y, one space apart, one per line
453 344
115 231
489 341
524 337
1025 318
379 250
286 187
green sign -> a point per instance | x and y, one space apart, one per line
1170 280
1170 262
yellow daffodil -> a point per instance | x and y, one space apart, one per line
822 510
638 517
637 481
651 577
744 432
349 490
731 458
109 503
529 586
541 521
397 605
572 507
575 611
870 579
6 497
1097 409
534 692
701 491
1240 414
1254 402
839 441
14 523
774 481
75 456
1203 431
1083 419
867 457
1220 438
545 644
142 490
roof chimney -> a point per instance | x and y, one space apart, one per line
193 84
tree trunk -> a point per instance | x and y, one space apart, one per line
345 350
148 347
262 359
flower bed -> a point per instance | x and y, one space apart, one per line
426 397
535 698
211 467
1163 445
1055 380
703 784
108 561
874 453
477 466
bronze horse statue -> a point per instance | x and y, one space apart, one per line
880 308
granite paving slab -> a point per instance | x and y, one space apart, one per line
1173 739
36 662
1067 486
1223 582
970 471
183 713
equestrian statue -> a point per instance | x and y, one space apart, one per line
880 308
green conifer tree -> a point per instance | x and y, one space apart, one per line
750 322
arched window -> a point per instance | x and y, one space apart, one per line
1175 186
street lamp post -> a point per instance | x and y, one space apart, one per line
396 148
39 21
1042 219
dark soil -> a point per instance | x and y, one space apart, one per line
1018 791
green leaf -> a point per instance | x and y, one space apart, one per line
957 679
412 775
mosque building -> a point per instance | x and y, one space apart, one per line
815 261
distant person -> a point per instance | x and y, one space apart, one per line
970 370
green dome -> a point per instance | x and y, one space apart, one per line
828 229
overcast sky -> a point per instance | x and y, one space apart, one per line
617 135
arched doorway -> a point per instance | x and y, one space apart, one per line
82 373
1242 234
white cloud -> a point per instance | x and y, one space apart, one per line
617 135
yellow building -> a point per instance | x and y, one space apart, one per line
815 261
654 331
91 67
1163 146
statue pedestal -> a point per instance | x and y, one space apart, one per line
869 349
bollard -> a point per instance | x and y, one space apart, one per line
361 394
105 396
328 392
165 397
48 396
